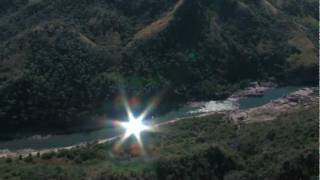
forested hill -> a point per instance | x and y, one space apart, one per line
60 60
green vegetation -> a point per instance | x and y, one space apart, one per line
201 148
61 60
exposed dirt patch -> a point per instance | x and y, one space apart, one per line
157 26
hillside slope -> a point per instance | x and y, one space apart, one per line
62 60
157 26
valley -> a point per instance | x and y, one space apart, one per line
159 89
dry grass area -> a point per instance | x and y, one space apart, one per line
86 40
308 52
157 26
273 10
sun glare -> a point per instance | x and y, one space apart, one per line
134 127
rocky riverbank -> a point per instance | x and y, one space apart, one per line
303 98
255 89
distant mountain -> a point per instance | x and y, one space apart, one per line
60 60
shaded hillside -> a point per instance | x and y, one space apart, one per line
63 59
218 42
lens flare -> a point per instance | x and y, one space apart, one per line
135 125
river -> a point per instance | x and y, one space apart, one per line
193 109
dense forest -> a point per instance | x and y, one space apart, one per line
62 60
208 148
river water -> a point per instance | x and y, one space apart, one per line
55 141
